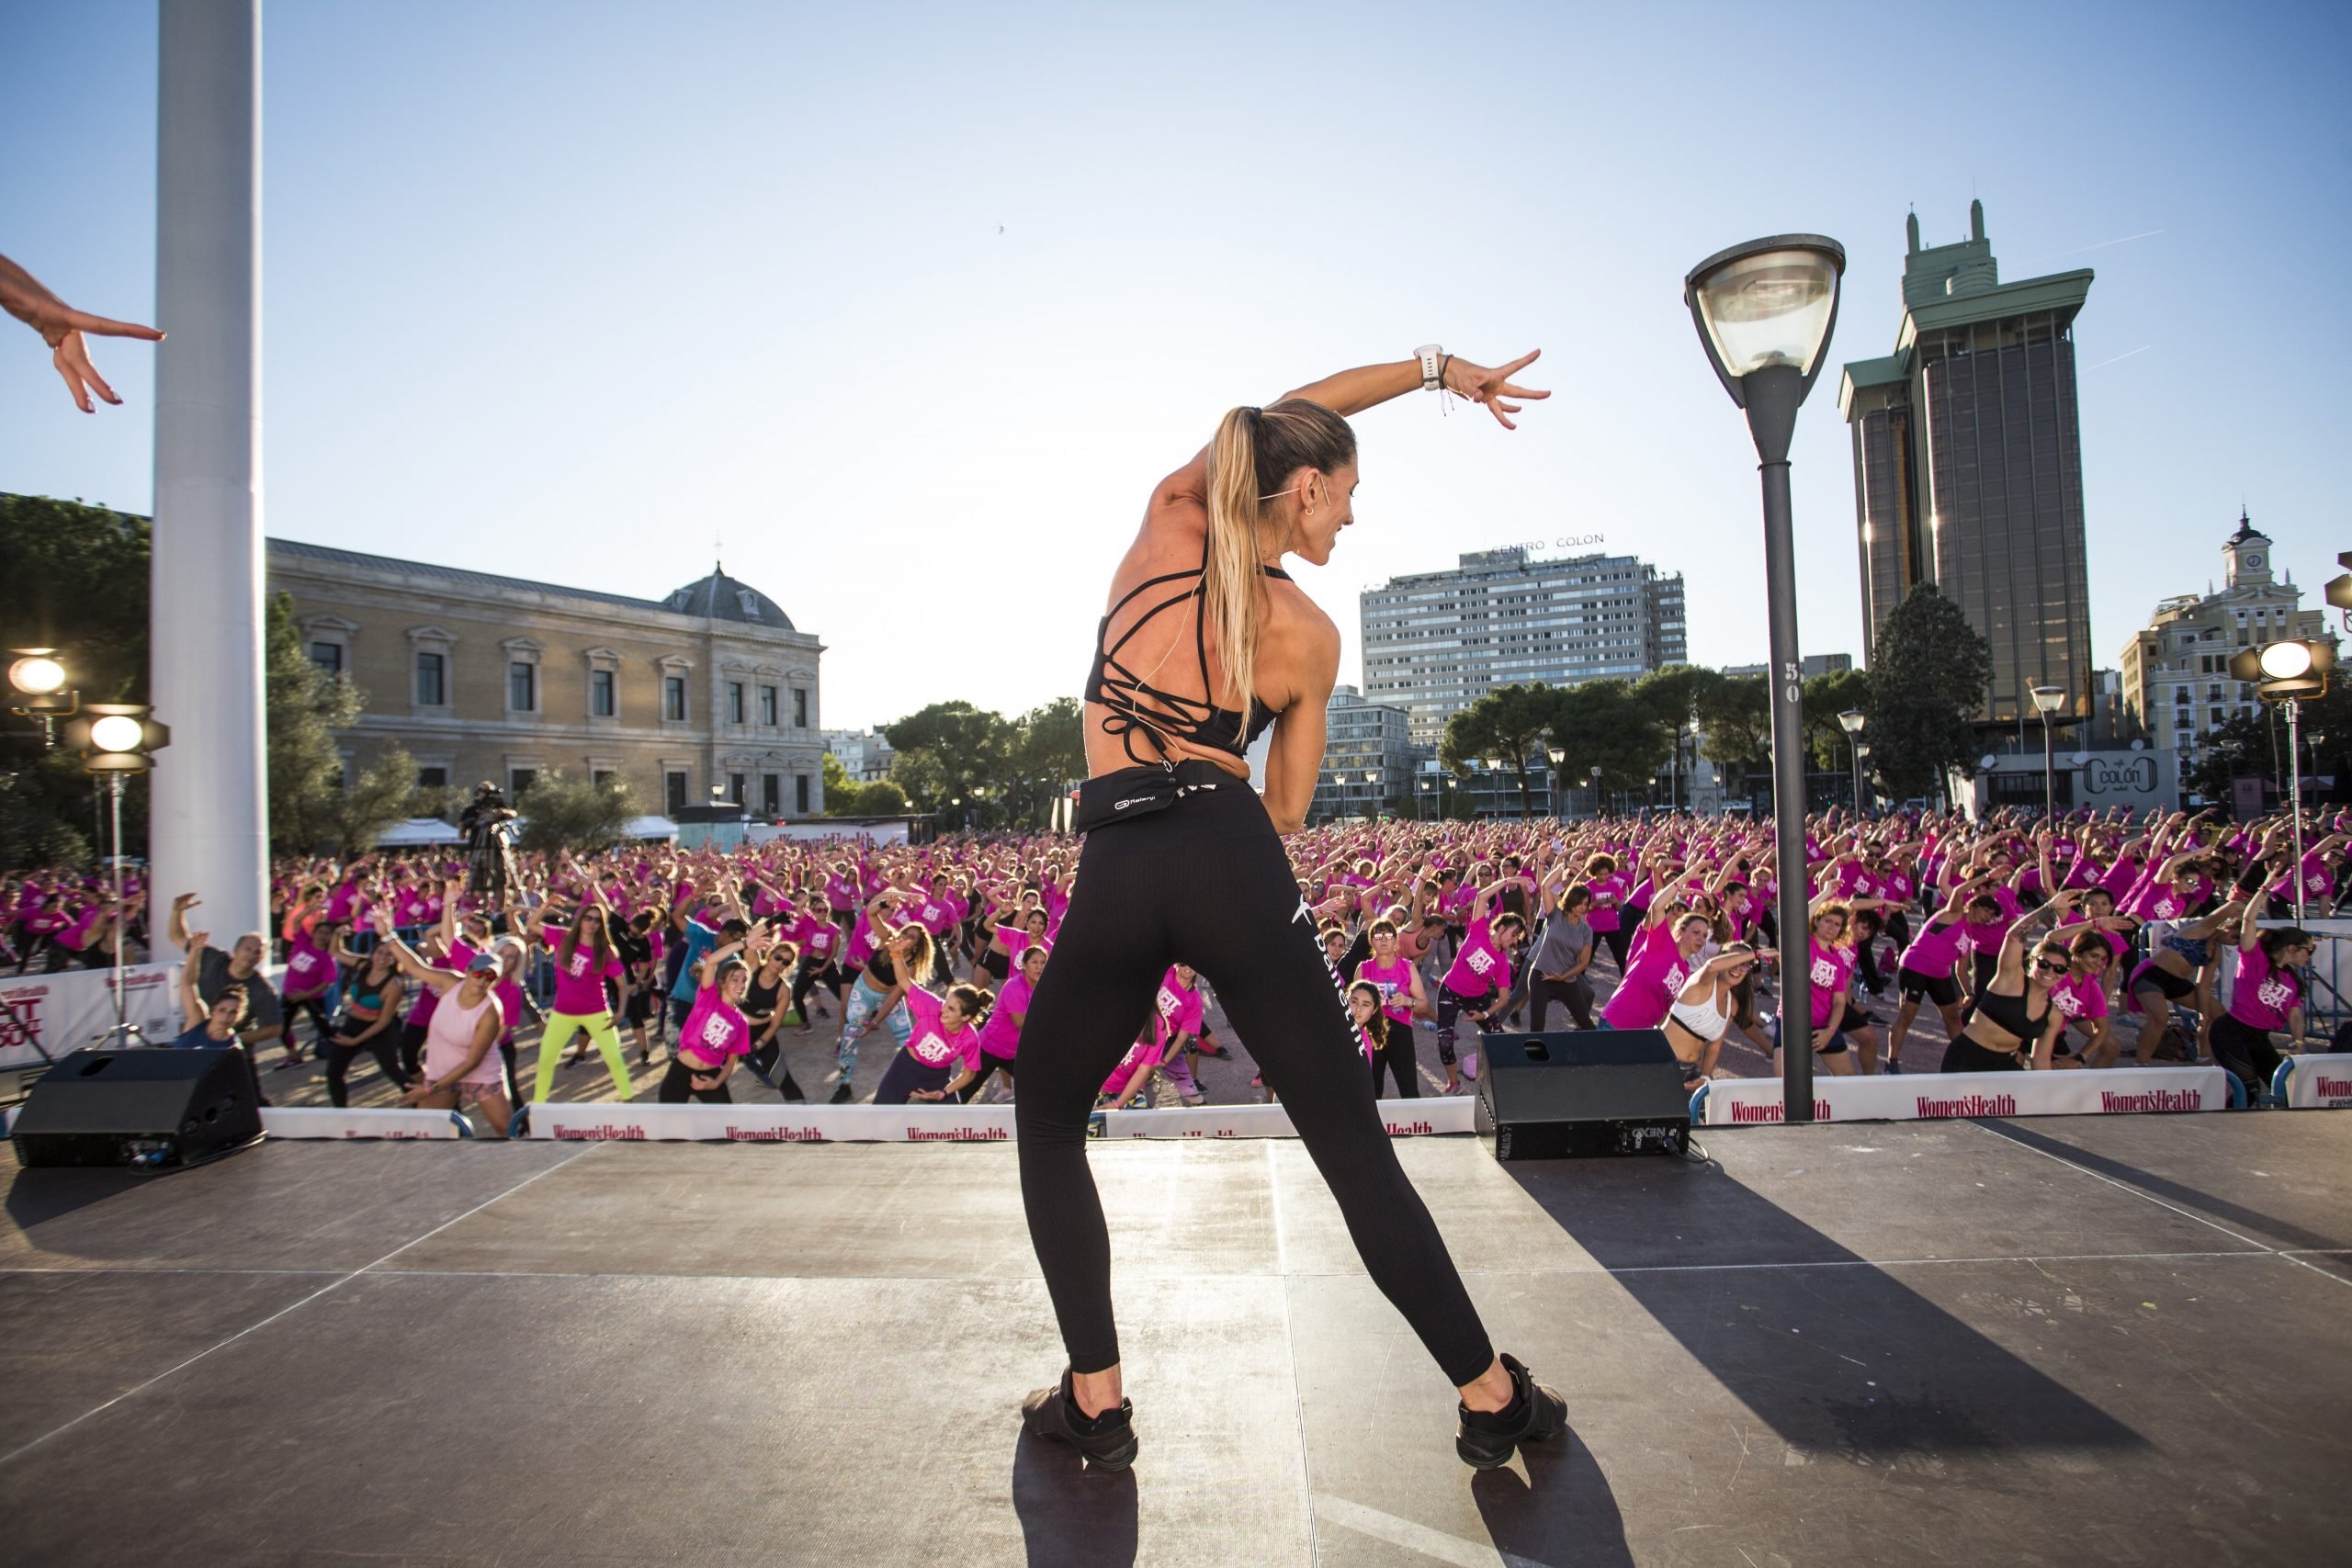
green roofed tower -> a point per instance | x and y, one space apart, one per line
1968 467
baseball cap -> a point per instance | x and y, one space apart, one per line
482 961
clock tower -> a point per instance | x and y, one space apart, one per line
2248 555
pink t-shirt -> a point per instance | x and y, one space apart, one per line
580 979
1480 967
819 939
1936 949
1000 1036
2080 997
1141 1055
1608 897
1832 969
1395 981
307 968
716 1029
1652 979
2261 995
1180 1011
929 1042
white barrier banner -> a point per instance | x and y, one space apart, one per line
1927 1096
58 1013
607 1123
594 1122
326 1121
2317 1082
1403 1118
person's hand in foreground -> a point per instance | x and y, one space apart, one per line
61 326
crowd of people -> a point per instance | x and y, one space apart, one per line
2090 941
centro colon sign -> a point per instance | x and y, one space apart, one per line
1564 542
2137 776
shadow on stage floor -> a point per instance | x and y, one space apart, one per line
1955 1389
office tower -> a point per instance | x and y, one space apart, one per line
1968 467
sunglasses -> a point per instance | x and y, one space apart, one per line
2050 964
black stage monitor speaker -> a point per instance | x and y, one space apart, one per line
1586 1091
147 1110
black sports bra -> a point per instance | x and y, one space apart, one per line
1120 689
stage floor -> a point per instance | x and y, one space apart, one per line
2103 1340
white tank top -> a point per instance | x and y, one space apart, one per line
1704 1019
449 1039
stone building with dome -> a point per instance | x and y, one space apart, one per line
488 677
2176 670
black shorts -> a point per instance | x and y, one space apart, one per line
1940 989
1836 1047
2174 987
997 964
1855 1018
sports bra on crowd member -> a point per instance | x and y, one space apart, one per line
1196 719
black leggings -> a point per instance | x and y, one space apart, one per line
678 1086
1399 1061
808 978
316 1009
2246 1051
1206 881
384 1045
1616 941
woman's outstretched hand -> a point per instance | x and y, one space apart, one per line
61 326
1481 385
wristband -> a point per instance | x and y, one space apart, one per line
1432 370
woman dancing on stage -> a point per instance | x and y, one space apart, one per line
1206 642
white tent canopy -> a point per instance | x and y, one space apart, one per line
650 827
418 830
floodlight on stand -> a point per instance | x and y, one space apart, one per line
2285 661
2281 671
117 740
36 673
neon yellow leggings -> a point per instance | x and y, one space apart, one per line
600 1028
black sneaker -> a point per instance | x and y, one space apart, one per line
1109 1440
1537 1413
840 1096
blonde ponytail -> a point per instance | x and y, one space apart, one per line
1229 577
1253 446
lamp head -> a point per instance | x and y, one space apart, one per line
2048 699
1852 720
1767 304
1558 755
37 675
116 738
2284 661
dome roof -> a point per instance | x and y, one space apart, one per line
719 597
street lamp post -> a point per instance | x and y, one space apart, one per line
2046 700
1765 311
1371 790
1596 789
2287 672
1558 755
1851 722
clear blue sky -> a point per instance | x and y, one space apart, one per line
912 304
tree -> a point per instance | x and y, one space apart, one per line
1928 672
374 801
580 815
304 706
1671 694
2238 747
1601 723
73 577
946 752
844 796
1505 723
1049 751
1735 723
1821 700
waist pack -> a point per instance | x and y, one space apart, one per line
1139 792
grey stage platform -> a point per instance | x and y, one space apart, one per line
2093 1340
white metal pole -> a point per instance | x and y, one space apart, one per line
2295 795
208 823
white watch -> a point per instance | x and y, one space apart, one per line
1430 355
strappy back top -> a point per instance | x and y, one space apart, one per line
1124 693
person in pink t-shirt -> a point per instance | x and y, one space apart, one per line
2266 999
1000 1036
715 1034
2081 998
945 1037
